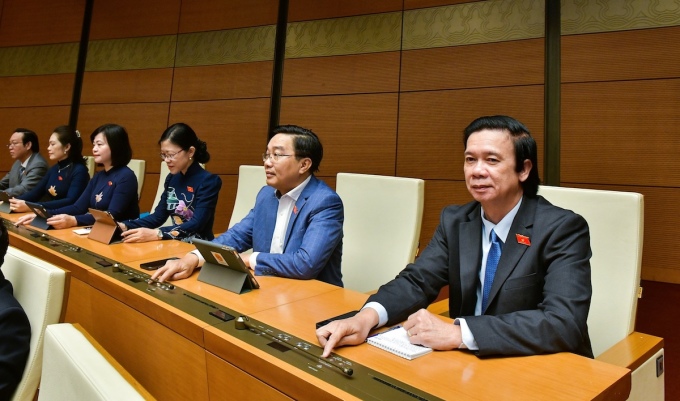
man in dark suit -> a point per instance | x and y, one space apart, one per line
537 300
15 331
29 167
295 227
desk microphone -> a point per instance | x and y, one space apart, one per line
243 323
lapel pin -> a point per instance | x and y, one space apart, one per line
523 239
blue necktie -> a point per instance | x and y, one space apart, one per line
491 264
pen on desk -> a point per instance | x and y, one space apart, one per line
243 322
385 331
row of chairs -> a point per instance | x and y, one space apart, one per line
63 359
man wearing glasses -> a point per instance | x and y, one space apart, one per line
295 227
29 167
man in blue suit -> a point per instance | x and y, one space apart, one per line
295 227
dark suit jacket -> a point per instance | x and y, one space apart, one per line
541 293
15 183
15 338
312 247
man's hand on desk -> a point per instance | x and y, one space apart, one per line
177 269
427 329
350 331
18 205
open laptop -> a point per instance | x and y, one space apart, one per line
105 228
4 206
224 268
41 215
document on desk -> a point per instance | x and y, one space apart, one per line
395 340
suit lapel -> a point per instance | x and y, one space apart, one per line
267 229
299 204
470 254
512 250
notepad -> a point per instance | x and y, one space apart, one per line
395 340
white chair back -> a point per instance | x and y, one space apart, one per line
77 368
250 180
383 217
89 162
39 288
616 222
138 166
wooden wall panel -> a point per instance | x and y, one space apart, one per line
358 132
42 120
132 86
38 22
304 10
228 81
39 90
132 18
431 126
235 130
361 73
438 195
513 63
623 55
621 133
212 15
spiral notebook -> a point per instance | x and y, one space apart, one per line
395 340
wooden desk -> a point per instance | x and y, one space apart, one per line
177 356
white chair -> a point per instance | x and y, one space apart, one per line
250 180
39 288
89 162
616 223
138 166
76 367
383 217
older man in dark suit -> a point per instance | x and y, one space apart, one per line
29 167
518 268
15 331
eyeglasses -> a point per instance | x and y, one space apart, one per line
170 156
275 157
13 144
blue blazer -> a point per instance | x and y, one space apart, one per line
313 245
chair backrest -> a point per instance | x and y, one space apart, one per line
616 223
39 288
250 180
383 216
76 367
89 162
138 166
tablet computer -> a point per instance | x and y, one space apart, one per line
41 215
105 228
224 267
4 206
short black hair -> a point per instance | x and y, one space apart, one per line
29 136
305 143
119 142
525 146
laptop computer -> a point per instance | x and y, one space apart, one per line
41 215
105 228
4 206
224 268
